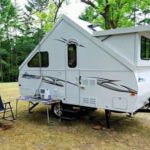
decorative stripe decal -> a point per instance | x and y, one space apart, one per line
48 79
111 84
106 83
71 41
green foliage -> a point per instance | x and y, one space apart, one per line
3 51
21 31
47 15
8 17
114 13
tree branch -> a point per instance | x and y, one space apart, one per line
90 3
58 5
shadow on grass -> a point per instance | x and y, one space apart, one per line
119 122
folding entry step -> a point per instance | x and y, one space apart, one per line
69 114
67 118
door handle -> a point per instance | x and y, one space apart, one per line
80 80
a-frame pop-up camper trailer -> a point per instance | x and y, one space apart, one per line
90 69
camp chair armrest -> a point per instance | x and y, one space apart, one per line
6 103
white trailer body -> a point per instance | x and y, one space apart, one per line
101 69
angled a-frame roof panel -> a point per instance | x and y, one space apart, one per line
100 44
88 33
82 26
142 28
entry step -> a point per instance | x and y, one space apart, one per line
68 118
70 110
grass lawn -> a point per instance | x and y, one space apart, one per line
31 131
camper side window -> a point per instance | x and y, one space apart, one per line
72 55
145 48
40 59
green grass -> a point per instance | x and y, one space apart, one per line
31 131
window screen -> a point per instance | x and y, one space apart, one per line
40 59
145 48
72 55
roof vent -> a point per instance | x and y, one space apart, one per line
95 27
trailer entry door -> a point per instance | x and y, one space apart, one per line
72 75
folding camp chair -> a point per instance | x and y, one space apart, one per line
4 108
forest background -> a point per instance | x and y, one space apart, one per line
22 29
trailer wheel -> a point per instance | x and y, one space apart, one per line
57 110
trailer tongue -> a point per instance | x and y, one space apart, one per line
145 109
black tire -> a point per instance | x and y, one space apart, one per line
57 110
